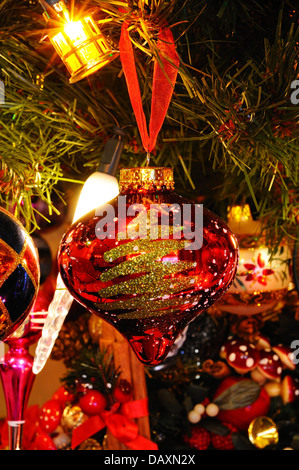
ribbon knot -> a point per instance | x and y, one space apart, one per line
124 429
119 421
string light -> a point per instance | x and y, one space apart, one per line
99 188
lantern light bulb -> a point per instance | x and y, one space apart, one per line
78 41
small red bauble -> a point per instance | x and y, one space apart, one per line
92 402
43 442
50 416
123 391
241 416
63 396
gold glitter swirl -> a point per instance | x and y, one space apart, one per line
148 302
160 248
146 263
149 283
151 290
157 308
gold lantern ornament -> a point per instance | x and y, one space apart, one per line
77 39
263 278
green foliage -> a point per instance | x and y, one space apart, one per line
94 368
231 132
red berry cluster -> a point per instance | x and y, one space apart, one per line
202 439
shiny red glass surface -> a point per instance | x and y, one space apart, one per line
152 316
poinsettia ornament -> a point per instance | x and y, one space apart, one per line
262 278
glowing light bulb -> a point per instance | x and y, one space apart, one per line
98 189
79 42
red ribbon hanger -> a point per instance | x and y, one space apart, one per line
164 78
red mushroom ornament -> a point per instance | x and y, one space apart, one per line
289 390
270 365
286 355
241 355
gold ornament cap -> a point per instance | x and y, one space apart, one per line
147 178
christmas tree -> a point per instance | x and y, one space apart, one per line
230 134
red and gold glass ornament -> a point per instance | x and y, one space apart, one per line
146 278
19 274
78 41
263 278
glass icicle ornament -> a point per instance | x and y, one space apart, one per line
147 262
98 188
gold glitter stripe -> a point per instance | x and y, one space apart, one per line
142 314
150 283
158 308
147 302
5 323
137 246
146 264
26 267
152 289
18 259
13 266
152 312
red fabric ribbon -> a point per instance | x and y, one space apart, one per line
164 78
120 424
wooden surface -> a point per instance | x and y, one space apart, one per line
132 370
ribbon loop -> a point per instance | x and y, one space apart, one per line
124 429
164 78
135 409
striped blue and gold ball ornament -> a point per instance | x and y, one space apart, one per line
19 274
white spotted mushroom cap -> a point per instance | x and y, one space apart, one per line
240 355
270 364
286 356
289 389
262 342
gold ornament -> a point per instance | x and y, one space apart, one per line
72 417
90 444
95 328
263 432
